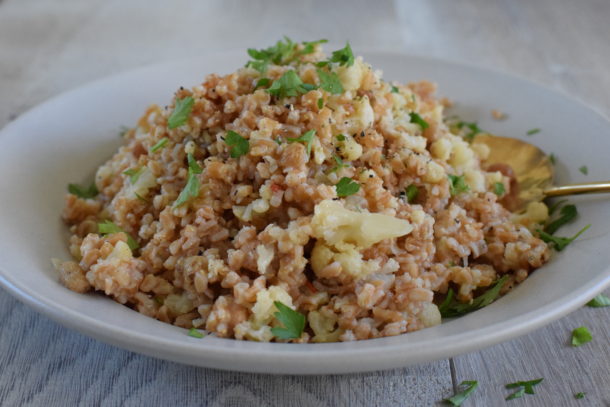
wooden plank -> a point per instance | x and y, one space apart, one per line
43 363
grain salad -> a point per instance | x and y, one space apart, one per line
301 198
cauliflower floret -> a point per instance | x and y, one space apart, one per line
349 149
441 149
363 116
351 76
323 327
535 214
347 256
144 181
430 315
434 173
335 225
264 309
462 156
264 256
475 180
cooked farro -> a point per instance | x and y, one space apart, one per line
225 223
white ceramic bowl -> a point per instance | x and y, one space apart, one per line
66 138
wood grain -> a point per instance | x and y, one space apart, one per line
47 47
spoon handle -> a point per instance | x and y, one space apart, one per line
575 189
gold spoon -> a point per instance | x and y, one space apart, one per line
533 170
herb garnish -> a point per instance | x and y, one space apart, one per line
343 56
134 174
346 187
499 189
556 206
340 137
552 158
411 191
306 138
560 243
195 333
340 164
567 214
160 144
457 184
417 119
182 110
580 336
191 189
451 308
83 192
599 302
107 227
293 321
580 395
320 103
584 170
238 145
262 82
474 129
282 53
394 89
329 81
289 84
533 131
460 397
525 387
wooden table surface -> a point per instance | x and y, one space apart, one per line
49 46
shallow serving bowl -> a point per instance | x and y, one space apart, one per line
66 138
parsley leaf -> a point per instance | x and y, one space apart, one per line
556 206
560 243
107 227
83 192
599 302
238 145
289 84
394 89
293 321
525 387
160 144
195 333
457 184
281 53
499 189
417 119
320 103
472 126
460 397
340 137
346 187
134 174
191 189
584 170
339 162
579 396
309 46
343 56
412 193
552 158
330 82
182 110
580 336
533 131
567 214
450 308
262 82
306 138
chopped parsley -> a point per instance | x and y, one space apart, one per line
552 158
289 84
340 163
306 138
134 174
195 333
191 189
340 137
83 192
238 145
472 126
580 336
262 82
346 187
468 387
580 395
567 214
556 206
533 131
320 103
394 89
310 46
182 110
417 119
584 170
499 189
293 322
457 184
411 192
282 53
599 302
560 243
107 227
343 56
451 308
160 144
525 387
330 82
